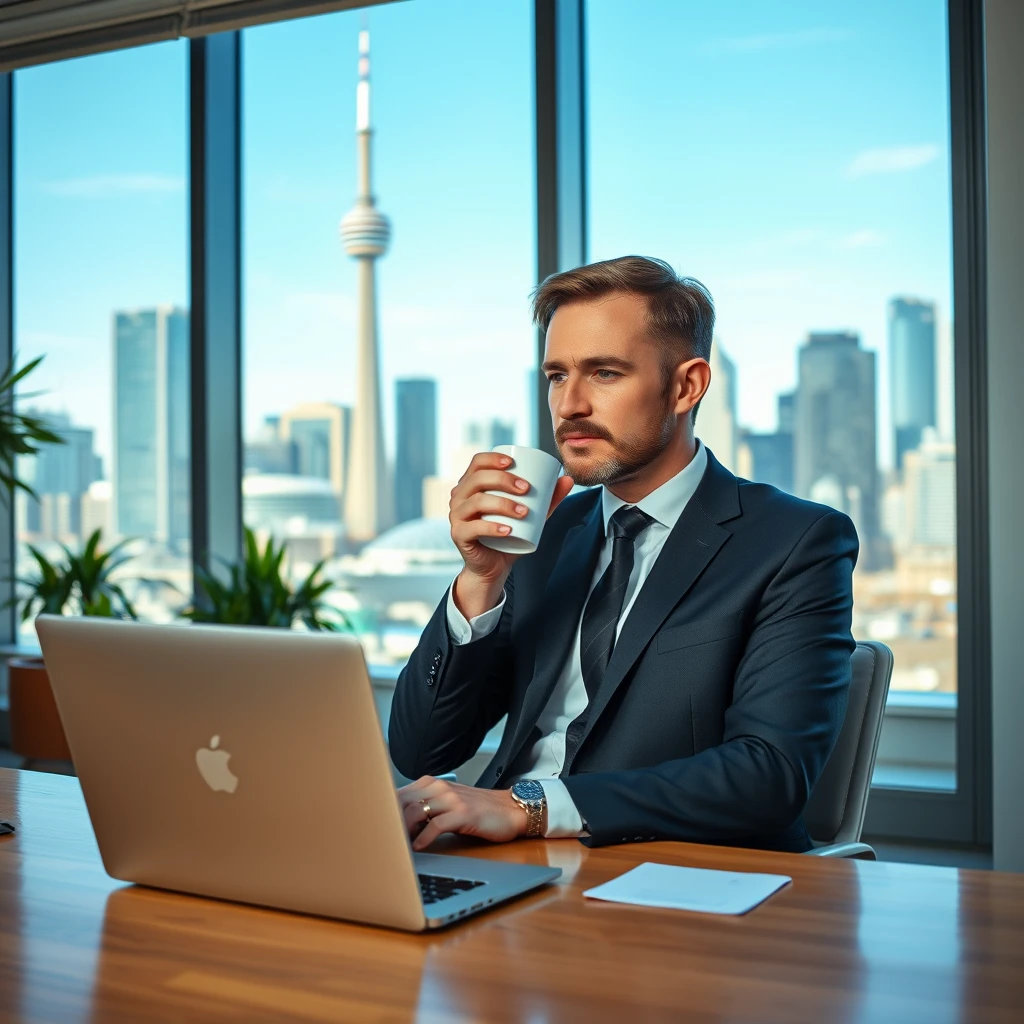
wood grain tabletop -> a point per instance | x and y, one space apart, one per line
848 941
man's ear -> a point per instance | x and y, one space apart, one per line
692 380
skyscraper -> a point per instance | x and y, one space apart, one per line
771 455
61 476
716 418
483 435
834 439
415 444
365 232
151 428
911 372
320 437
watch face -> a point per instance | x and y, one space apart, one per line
528 789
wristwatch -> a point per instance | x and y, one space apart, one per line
529 794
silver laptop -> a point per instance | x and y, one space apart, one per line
249 764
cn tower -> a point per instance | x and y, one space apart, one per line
365 233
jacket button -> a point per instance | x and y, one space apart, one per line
499 770
638 839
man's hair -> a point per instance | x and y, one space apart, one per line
680 310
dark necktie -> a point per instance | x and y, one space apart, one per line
601 616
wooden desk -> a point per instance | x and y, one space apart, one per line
848 941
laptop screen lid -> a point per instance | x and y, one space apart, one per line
235 762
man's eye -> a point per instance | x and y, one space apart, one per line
556 378
608 374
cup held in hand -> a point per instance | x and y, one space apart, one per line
540 470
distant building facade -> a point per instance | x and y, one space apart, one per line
834 441
415 444
151 483
318 437
911 372
61 475
769 457
717 416
483 435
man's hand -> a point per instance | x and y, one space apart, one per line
478 587
486 813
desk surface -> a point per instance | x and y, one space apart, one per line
848 941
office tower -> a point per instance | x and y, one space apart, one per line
318 436
483 435
536 386
60 476
770 456
929 475
151 428
96 509
365 232
716 418
834 438
268 452
415 444
911 372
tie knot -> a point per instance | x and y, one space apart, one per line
629 522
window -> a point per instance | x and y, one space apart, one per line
101 286
376 362
795 158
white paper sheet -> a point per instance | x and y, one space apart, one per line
710 892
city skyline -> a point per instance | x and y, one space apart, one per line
859 204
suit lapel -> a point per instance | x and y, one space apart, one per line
694 542
562 606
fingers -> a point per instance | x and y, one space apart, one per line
411 797
482 503
451 821
486 480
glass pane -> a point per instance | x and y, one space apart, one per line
377 362
795 158
101 286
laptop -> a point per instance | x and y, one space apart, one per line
249 764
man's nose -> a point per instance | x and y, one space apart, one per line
572 402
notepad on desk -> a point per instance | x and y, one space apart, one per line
700 889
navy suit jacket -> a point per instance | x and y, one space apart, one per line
725 692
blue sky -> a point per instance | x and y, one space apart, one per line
792 156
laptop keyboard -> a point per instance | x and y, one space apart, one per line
439 887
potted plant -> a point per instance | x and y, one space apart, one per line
20 435
80 583
256 594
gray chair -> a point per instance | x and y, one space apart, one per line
834 815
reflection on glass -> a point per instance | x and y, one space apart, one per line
101 222
378 363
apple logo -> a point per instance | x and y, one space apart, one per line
213 766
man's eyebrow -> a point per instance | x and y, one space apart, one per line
590 363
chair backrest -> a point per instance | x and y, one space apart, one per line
835 811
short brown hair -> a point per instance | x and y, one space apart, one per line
680 311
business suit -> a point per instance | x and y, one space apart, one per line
725 691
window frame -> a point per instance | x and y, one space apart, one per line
963 816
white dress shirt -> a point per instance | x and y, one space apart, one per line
569 697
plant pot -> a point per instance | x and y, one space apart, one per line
36 730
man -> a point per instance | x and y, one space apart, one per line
674 659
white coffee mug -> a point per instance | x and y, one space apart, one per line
540 471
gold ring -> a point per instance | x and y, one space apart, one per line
426 809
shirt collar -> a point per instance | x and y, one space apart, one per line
665 504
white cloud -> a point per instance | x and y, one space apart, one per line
862 239
114 186
891 160
781 40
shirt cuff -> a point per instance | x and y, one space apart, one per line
465 631
564 821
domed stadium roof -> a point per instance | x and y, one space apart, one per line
418 536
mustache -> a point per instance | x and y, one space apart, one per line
588 428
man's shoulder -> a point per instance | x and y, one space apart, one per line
786 512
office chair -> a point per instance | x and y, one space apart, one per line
834 815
